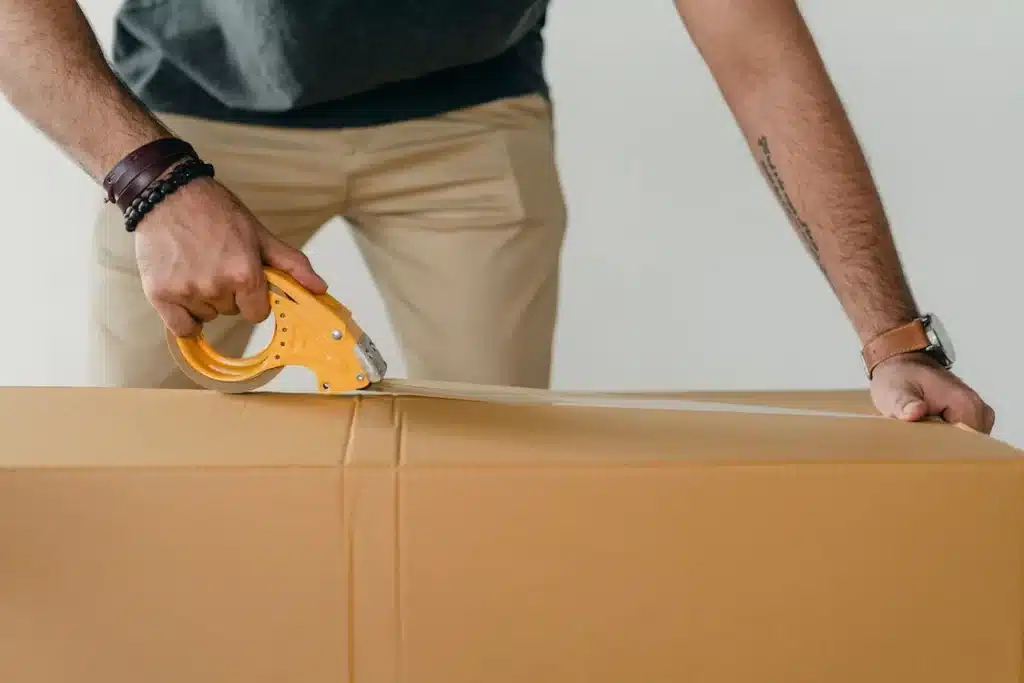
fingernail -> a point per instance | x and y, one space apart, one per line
910 408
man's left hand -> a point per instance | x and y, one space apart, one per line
913 387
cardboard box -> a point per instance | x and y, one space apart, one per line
187 537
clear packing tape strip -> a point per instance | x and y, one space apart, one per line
596 399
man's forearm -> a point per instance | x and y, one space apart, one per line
770 72
53 72
808 153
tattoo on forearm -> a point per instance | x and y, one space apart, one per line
771 173
811 159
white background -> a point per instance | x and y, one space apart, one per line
680 271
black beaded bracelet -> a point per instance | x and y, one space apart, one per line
180 175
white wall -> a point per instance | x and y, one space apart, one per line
656 173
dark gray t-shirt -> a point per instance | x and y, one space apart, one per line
327 63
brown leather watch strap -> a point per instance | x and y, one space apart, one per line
903 339
162 151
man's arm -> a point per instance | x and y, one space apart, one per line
766 64
200 252
53 72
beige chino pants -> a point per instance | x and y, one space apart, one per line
460 219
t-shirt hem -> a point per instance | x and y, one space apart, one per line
350 113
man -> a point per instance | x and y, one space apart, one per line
427 125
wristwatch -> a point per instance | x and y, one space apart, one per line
921 335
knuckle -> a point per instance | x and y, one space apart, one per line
208 288
173 290
241 277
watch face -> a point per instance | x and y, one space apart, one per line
940 340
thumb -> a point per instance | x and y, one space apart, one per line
909 406
278 254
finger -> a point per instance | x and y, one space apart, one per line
990 419
177 319
292 261
201 310
225 305
967 408
220 298
253 298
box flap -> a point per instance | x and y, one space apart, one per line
168 427
485 434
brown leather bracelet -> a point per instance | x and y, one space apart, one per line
136 179
126 171
145 178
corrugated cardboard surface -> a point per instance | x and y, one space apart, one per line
153 536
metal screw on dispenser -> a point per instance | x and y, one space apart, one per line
336 334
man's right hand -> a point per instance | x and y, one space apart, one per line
200 251
201 254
